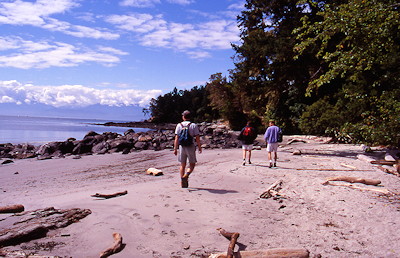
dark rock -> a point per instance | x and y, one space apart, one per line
7 161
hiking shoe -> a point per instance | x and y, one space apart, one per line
184 182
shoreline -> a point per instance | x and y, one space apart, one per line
149 125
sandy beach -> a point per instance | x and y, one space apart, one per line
157 218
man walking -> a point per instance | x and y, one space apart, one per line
272 137
185 133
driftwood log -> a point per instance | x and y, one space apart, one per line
232 237
115 248
273 190
12 208
29 225
107 196
276 252
353 180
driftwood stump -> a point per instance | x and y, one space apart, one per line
28 225
115 248
107 196
12 208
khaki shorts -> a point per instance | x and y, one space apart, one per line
247 146
272 147
187 153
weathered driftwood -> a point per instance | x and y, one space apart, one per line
154 172
232 237
353 180
273 190
276 252
381 190
384 162
30 225
115 248
107 196
12 208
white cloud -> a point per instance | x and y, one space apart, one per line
28 54
72 95
154 31
140 3
151 3
39 14
181 2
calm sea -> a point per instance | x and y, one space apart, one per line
39 130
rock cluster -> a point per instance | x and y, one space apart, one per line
213 135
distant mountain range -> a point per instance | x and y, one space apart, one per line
110 113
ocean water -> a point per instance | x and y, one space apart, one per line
39 130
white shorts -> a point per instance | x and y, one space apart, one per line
247 146
187 153
272 147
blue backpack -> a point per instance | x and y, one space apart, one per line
184 138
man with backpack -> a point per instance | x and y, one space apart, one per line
247 135
186 133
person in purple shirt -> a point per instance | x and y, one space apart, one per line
271 137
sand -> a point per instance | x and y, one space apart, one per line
157 218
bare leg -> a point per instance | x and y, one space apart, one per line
249 156
182 169
190 169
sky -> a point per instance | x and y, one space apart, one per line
60 57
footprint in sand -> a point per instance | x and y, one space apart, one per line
136 215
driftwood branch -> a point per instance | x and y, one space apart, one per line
107 196
232 237
115 248
384 162
391 171
12 208
273 190
382 190
353 180
348 166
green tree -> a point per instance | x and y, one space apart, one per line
266 80
168 108
356 44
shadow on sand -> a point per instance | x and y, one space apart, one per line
214 191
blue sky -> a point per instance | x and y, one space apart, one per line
75 54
